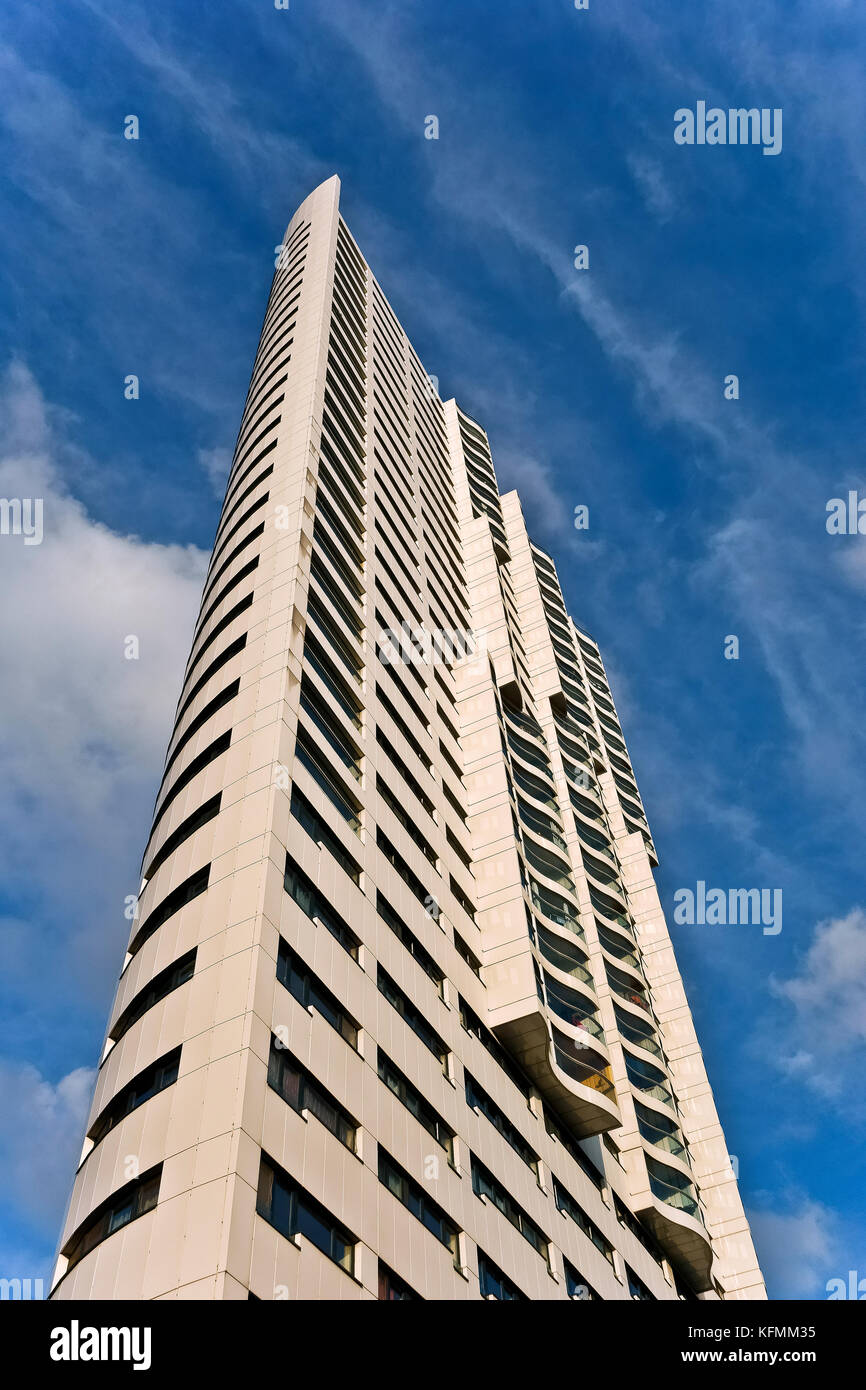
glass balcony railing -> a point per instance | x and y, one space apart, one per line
672 1188
571 1008
598 1077
663 1135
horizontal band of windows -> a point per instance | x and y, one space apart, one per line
187 827
478 1099
492 1283
484 1184
307 816
211 708
410 1097
310 756
190 889
410 941
295 1085
236 579
247 540
412 1196
572 1208
219 628
239 471
264 367
349 611
163 984
130 1202
400 767
255 426
412 1016
208 755
315 905
473 1025
317 658
328 512
342 648
241 521
155 1078
264 391
222 659
321 715
409 877
393 1289
404 816
293 1212
309 991
228 512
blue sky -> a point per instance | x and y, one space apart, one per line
602 387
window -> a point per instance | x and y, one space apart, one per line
494 1284
292 1211
569 1207
485 1185
301 1091
410 941
636 1287
316 828
467 954
393 1289
339 795
162 984
398 863
577 1286
317 907
186 828
413 1197
149 1082
478 1099
629 1220
309 991
411 1015
472 1023
132 1201
415 1103
189 889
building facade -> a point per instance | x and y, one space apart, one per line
399 1015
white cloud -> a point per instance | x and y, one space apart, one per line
84 729
653 186
828 993
41 1131
216 464
798 1249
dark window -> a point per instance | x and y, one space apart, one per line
415 1103
411 1015
292 1211
183 832
472 1023
636 1287
567 1204
494 1284
189 889
578 1287
148 1083
299 1089
478 1098
409 940
393 1289
309 991
162 984
413 1196
317 907
484 1184
309 818
132 1201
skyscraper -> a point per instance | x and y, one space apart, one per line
399 1015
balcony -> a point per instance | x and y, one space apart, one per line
669 1208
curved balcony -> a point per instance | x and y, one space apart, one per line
639 1033
672 1213
557 909
565 956
572 1007
662 1132
572 1074
649 1080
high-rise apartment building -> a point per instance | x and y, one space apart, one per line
399 1016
